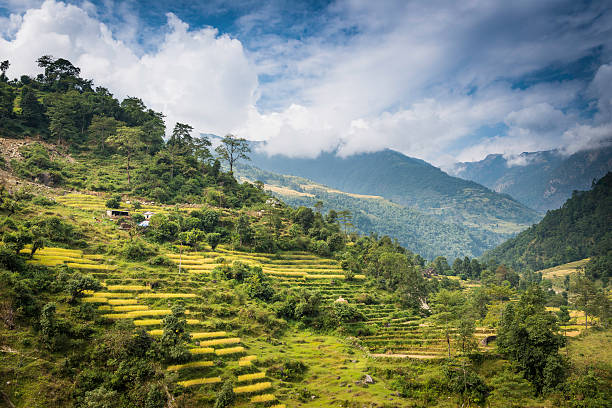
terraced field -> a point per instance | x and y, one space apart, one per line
130 296
98 203
395 332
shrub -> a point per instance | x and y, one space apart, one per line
258 285
79 283
288 370
114 201
226 396
43 201
137 250
213 239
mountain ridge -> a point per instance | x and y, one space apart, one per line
541 180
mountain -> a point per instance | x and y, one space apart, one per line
421 233
411 183
571 233
540 180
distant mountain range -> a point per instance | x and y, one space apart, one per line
574 231
421 233
540 180
422 193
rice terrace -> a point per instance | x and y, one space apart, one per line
283 204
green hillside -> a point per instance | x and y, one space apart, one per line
421 233
577 230
136 272
411 183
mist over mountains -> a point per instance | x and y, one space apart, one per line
540 180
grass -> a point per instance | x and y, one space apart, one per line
127 287
118 302
253 388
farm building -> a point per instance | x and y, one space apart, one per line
117 213
148 214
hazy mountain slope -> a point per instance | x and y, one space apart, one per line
564 235
419 232
541 180
411 183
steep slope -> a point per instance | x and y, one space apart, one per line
540 180
568 234
421 233
414 184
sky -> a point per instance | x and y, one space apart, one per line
444 81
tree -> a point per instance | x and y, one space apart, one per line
233 149
226 396
127 141
4 66
528 335
213 239
175 336
583 296
80 283
345 217
101 128
31 109
448 308
48 325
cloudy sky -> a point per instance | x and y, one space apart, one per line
444 81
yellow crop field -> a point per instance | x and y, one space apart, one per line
112 294
156 332
229 350
208 335
254 376
166 295
95 300
199 381
202 350
90 266
217 342
117 302
127 287
129 308
253 387
193 364
263 398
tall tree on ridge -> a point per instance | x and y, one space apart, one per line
232 149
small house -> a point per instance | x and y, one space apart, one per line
144 224
117 213
148 214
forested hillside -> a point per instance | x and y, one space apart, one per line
540 180
135 271
406 181
573 232
421 233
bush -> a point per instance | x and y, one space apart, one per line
288 370
79 283
114 201
258 285
44 201
137 250
226 396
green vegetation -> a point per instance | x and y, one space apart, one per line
229 297
576 231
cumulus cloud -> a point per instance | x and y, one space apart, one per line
420 78
194 76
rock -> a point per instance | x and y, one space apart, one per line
368 380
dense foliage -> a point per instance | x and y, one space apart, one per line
568 234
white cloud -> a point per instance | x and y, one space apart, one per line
416 77
198 77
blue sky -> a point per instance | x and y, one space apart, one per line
444 81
